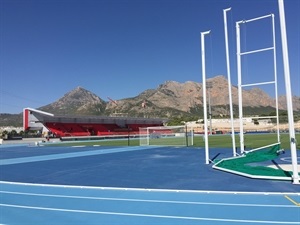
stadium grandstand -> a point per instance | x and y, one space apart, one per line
79 126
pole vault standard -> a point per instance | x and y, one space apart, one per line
239 72
204 95
288 91
229 80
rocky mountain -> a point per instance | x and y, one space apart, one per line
14 120
169 99
295 100
77 102
187 98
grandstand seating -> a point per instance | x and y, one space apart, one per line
78 129
67 129
69 126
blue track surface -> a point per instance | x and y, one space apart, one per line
157 185
25 204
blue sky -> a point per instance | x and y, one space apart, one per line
119 48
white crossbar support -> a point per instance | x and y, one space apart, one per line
266 146
256 84
288 91
264 117
204 96
258 50
251 20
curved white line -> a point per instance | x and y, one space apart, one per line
148 189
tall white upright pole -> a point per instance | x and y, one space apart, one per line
239 72
209 86
204 96
275 78
288 92
229 81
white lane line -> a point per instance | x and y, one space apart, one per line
149 215
81 187
147 200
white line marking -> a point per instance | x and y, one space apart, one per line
148 189
148 215
146 200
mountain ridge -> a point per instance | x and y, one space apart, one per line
169 99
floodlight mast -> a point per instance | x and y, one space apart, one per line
229 80
288 91
204 95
